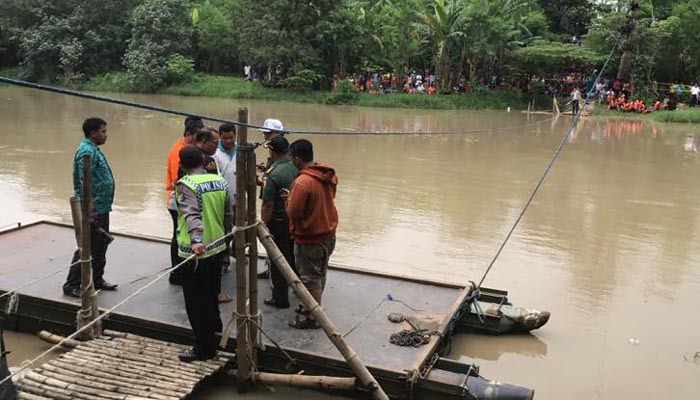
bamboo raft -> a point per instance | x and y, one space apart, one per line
35 249
118 366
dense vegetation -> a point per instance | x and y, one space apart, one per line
147 44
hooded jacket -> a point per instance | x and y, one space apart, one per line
310 206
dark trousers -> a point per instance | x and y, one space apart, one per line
280 234
693 100
200 289
98 247
176 275
574 106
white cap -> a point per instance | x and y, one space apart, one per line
272 125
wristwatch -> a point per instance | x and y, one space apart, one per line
196 239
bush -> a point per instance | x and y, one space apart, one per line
344 93
178 69
159 31
145 67
109 82
303 79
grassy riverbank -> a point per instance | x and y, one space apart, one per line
686 115
238 88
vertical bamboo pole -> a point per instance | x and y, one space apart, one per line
76 212
241 203
351 357
87 286
252 239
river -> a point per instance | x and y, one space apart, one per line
609 245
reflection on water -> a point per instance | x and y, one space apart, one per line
609 245
492 348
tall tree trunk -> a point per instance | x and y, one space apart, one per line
627 30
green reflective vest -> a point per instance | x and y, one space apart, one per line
211 191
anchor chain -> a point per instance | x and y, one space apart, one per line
411 338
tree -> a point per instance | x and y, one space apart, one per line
545 58
391 35
443 23
494 28
160 29
569 17
71 39
662 49
285 36
216 40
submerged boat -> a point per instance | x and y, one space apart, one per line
358 301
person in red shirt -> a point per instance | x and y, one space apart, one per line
313 220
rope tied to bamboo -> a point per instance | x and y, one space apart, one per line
256 320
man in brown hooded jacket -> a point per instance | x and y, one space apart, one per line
313 220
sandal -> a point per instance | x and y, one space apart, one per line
301 310
307 323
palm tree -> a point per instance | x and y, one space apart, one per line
443 23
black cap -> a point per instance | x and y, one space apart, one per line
278 144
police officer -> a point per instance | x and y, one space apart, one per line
204 217
279 178
271 129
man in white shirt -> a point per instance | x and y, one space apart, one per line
694 93
225 157
575 99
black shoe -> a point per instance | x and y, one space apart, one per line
304 324
264 274
175 278
104 285
188 356
275 303
72 292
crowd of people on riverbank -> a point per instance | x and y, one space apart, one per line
421 81
298 208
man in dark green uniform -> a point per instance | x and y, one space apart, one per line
271 129
279 177
204 217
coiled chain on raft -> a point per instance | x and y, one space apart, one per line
411 338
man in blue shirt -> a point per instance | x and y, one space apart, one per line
95 131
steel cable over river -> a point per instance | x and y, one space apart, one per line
90 96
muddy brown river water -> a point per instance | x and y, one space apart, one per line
609 246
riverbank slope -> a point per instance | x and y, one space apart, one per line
685 115
218 86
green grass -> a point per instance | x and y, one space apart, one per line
601 111
688 115
11 72
110 82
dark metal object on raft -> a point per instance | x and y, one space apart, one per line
411 337
491 313
7 389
